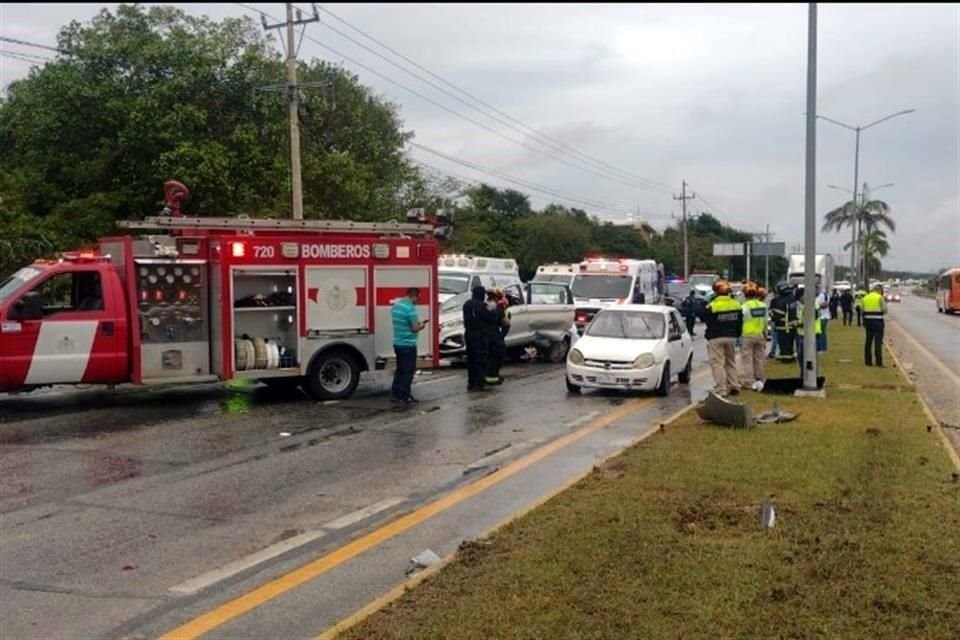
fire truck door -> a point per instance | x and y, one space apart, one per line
73 327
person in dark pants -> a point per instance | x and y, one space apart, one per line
874 309
477 322
497 345
846 305
834 304
406 326
688 308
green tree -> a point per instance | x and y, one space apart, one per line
873 246
142 95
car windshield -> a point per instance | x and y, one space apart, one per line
702 281
13 283
633 325
454 283
554 277
602 286
455 303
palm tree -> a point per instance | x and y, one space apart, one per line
868 215
873 246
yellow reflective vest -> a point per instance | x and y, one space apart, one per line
754 318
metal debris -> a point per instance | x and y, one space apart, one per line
776 416
768 515
725 413
422 560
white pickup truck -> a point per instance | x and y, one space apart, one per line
541 315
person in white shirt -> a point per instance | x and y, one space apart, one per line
823 308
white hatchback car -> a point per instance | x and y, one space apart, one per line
631 347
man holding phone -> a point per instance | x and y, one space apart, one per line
406 326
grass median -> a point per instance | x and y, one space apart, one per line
664 540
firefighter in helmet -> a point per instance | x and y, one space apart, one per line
498 304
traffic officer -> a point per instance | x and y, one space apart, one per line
754 338
858 305
724 320
874 308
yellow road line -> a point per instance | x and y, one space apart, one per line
937 361
951 452
241 605
376 605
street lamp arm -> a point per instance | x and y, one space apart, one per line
845 126
893 115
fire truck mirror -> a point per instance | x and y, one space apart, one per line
29 307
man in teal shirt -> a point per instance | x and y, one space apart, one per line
406 326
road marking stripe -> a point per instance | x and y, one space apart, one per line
937 361
242 604
368 610
204 580
582 420
362 514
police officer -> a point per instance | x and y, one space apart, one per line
874 307
817 329
754 338
688 308
724 321
477 318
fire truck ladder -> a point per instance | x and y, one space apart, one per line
267 224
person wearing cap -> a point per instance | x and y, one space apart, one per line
724 320
477 321
754 336
874 307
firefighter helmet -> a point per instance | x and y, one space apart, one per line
721 288
762 293
750 290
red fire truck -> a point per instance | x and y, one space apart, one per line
285 302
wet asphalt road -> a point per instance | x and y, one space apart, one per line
937 332
108 499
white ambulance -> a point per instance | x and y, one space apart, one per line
602 282
557 272
459 274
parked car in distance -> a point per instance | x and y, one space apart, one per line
541 315
631 347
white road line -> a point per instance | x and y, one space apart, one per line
212 577
582 419
205 580
362 514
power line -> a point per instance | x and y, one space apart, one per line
468 118
551 142
25 58
32 44
524 183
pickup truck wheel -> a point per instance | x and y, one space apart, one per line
556 352
333 376
684 376
571 388
663 389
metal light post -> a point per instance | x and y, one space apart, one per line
809 364
856 169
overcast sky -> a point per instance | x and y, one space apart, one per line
710 94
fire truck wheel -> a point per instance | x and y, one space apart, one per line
334 375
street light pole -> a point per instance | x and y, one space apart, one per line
854 265
809 364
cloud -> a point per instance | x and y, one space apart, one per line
711 94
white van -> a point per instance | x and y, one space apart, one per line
600 283
461 273
557 272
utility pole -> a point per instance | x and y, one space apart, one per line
766 268
293 91
686 248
